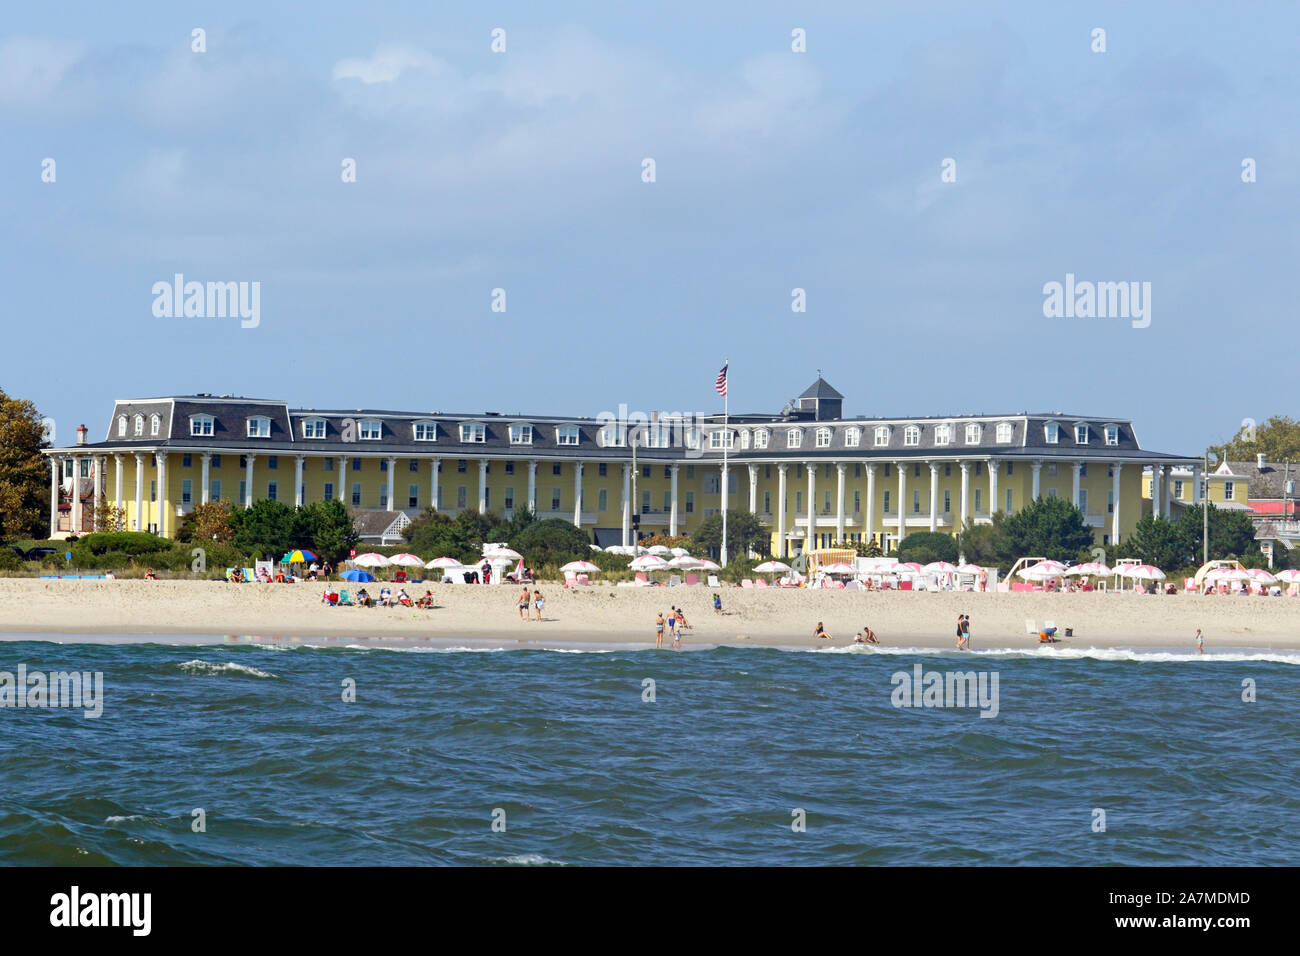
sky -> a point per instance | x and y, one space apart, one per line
774 170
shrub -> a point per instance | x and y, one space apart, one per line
130 542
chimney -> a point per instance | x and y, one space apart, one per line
81 434
1259 461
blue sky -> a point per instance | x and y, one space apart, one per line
774 170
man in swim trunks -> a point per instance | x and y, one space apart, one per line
866 636
523 604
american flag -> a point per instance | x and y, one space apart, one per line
721 384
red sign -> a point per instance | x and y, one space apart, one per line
352 553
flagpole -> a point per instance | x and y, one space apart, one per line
726 478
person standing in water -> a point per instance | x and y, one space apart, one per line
965 632
1200 642
659 630
960 619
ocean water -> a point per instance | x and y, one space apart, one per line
566 752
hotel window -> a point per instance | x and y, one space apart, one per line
887 466
356 493
243 461
187 491
272 490
566 435
916 502
187 461
767 502
760 438
1178 488
882 435
1051 470
602 469
243 491
826 502
1083 500
692 438
1112 434
370 430
214 490
1083 469
947 471
645 471
521 434
412 496
1052 433
139 426
853 438
977 500
329 491
473 433
722 439
690 502
973 434
668 501
1051 492
612 436
1110 502
200 426
916 470
461 466
1081 434
947 501
744 438
823 438
413 465
912 435
979 467
383 464
216 461
313 428
1011 468
556 468
1005 430
259 427
857 501
798 502
793 438
510 467
273 461
602 500
1229 490
555 499
426 431
462 496
1008 507
154 423
943 434
690 472
886 502
121 426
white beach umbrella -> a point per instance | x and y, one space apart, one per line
771 567
648 562
678 552
370 560
580 567
407 560
940 567
839 567
658 549
502 554
707 565
1039 573
1260 576
595 547
1290 576
1228 574
969 568
1142 572
444 562
685 562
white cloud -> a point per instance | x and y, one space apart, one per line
32 68
387 64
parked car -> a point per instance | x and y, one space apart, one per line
22 555
40 554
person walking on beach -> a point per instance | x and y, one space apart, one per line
659 631
539 602
523 604
960 619
1200 642
672 622
965 632
677 633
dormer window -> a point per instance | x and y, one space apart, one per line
566 435
425 431
259 426
823 438
744 438
370 429
1081 434
313 428
201 426
1112 434
852 437
722 438
761 438
943 434
1005 432
793 438
912 435
973 433
882 436
692 438
473 433
1052 433
521 434
613 435
121 426
139 426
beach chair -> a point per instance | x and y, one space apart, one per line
399 577
570 579
746 583
641 579
250 574
345 599
692 579
713 580
674 580
1139 589
760 583
838 585
583 579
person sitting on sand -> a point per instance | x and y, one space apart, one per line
717 604
820 631
403 598
426 601
866 636
329 597
386 596
364 599
150 575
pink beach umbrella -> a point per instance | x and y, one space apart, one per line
911 566
370 560
839 567
969 568
1289 576
443 562
580 567
1142 572
940 567
407 560
1089 567
1260 576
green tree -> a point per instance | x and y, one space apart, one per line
438 534
926 546
207 522
265 528
1278 439
983 544
1232 534
24 471
744 530
327 528
1051 527
551 541
1160 542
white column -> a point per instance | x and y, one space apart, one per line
1114 518
626 503
577 495
839 501
1155 490
434 464
672 502
1196 484
248 480
810 539
993 486
55 464
965 495
753 489
934 497
532 486
780 510
871 503
76 494
298 461
1036 467
1074 492
392 484
1165 487
98 463
482 484
117 481
901 467
139 491
161 459
206 459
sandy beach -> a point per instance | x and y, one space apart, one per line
625 615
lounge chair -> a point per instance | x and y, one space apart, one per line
692 579
641 579
746 583
345 599
584 580
760 582
713 580
674 580
1031 628
570 579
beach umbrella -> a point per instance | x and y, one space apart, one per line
580 567
407 560
678 552
969 568
658 549
839 567
594 547
771 567
370 560
355 575
685 562
707 565
1142 572
298 557
1290 576
940 567
444 562
1228 574
648 562
1039 573
1260 576
502 554
911 566
1089 567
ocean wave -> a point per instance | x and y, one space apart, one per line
423 650
207 668
115 820
526 859
1073 654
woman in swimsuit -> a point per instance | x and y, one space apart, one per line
820 631
539 602
659 630
960 618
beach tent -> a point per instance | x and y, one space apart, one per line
357 575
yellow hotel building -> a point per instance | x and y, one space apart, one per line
811 475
